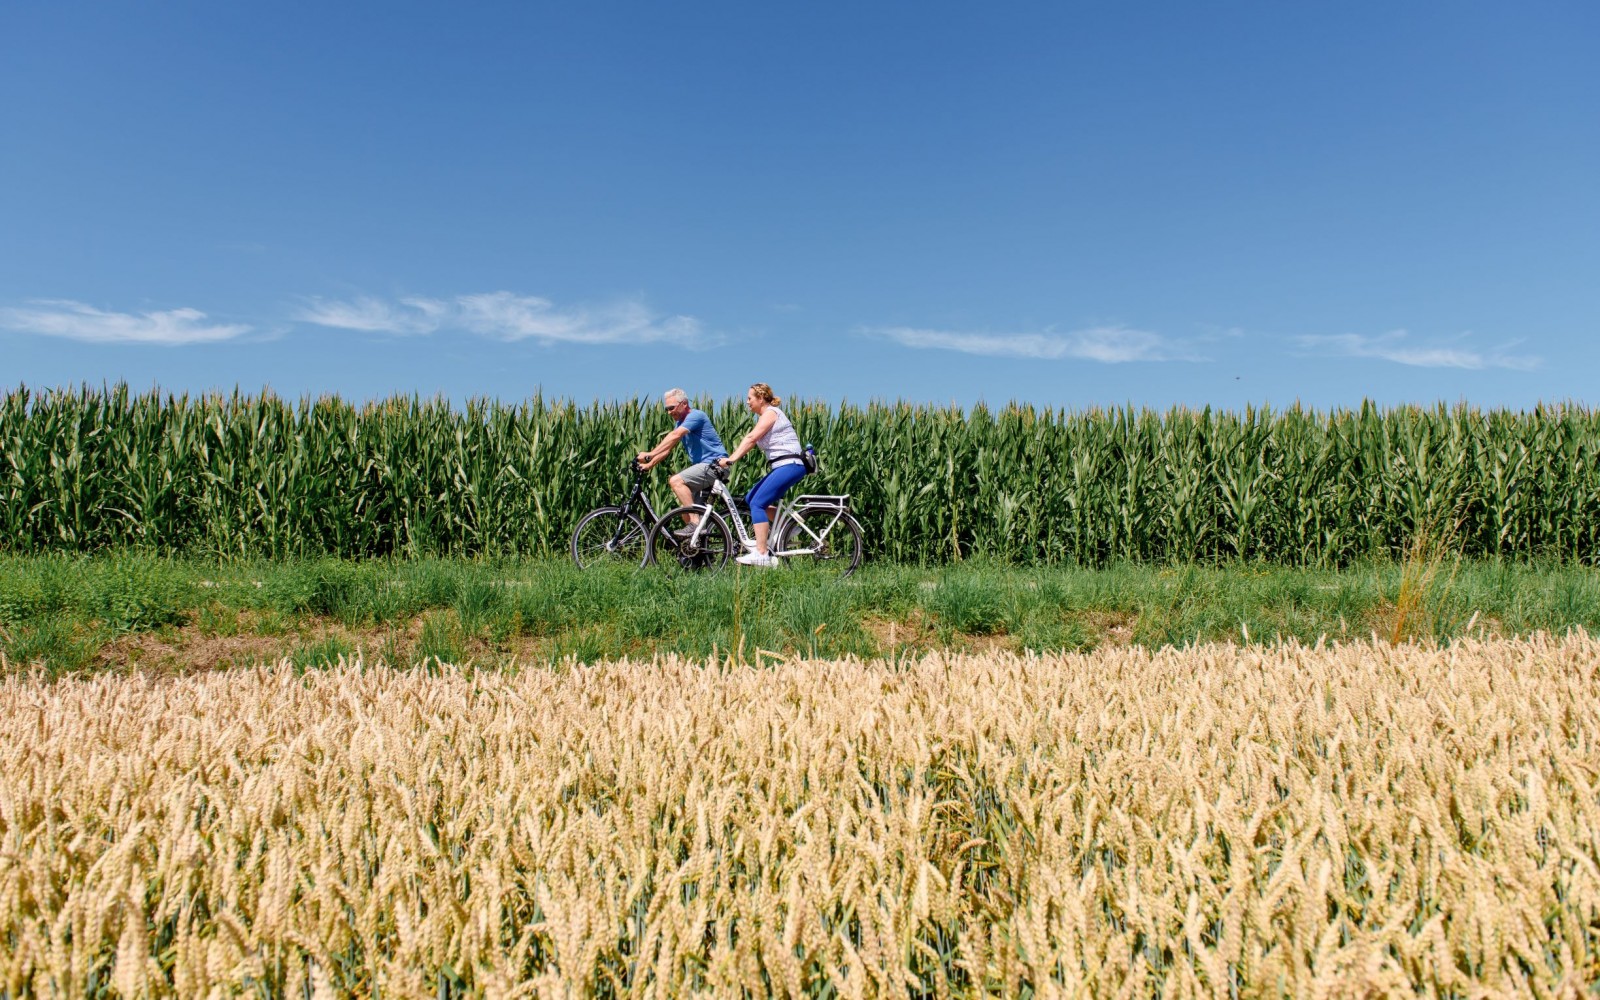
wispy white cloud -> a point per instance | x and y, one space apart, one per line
1106 344
368 315
511 317
77 321
1397 346
521 317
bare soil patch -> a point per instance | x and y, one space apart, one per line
1115 628
917 633
183 650
891 634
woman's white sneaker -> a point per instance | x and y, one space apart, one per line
758 559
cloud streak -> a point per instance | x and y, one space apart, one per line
1105 344
368 315
1396 346
77 321
510 317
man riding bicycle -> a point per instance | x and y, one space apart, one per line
693 427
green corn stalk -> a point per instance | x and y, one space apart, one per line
245 476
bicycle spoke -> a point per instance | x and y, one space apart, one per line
706 551
607 535
824 538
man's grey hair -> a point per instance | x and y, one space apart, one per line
675 396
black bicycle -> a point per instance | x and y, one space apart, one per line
616 534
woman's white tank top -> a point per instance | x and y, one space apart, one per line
780 439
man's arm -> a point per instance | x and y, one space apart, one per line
652 458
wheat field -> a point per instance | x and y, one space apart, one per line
1346 820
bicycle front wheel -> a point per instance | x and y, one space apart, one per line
676 555
609 535
823 537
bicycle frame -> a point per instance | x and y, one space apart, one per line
787 512
637 493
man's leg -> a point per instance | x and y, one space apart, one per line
680 489
691 486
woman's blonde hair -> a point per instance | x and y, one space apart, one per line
764 391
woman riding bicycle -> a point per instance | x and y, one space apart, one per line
776 437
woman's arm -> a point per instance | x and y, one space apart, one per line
759 431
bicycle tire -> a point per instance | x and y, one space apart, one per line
672 554
840 552
609 535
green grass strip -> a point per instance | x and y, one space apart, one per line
79 613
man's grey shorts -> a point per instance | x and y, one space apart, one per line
698 477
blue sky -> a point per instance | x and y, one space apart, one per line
1075 204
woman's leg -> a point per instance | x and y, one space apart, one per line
758 524
764 499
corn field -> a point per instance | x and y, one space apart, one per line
259 476
1214 821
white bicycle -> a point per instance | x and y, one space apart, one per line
817 529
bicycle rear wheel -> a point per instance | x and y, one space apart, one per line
608 535
833 537
676 556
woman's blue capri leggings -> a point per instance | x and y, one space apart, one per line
770 488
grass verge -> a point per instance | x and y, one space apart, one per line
124 610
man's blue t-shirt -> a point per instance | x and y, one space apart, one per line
702 442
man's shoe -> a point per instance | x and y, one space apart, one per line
685 533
